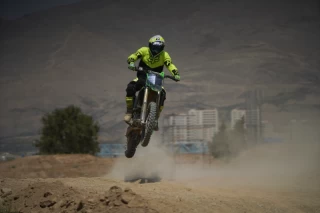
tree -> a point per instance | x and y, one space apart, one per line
226 144
220 143
67 131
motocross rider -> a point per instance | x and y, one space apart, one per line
152 58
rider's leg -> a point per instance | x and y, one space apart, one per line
162 98
132 88
131 91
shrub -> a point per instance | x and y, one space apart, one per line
68 131
226 143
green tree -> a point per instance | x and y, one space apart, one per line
67 131
220 143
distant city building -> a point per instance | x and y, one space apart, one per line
205 123
236 115
196 125
254 100
179 131
268 129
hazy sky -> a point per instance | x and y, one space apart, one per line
12 9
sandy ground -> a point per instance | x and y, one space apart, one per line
269 178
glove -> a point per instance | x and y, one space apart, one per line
177 77
132 66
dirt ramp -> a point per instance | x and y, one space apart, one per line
56 166
55 197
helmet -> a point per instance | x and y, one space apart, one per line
156 44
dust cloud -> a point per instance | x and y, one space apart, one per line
153 162
290 165
285 165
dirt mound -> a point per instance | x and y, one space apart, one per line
54 166
56 197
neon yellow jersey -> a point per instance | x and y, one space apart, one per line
154 63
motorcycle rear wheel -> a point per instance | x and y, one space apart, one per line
132 142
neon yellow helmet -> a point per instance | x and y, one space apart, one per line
156 44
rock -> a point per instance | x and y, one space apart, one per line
128 190
61 203
91 201
137 202
47 194
107 202
117 203
115 189
5 192
126 197
16 197
68 203
102 198
47 203
80 206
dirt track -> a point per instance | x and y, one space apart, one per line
244 186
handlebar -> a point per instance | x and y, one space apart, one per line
140 69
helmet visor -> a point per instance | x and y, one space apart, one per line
156 47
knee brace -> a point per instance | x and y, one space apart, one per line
131 91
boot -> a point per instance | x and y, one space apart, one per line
128 115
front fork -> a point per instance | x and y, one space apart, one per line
144 105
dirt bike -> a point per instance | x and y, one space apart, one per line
145 111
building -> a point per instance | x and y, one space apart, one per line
204 123
267 129
179 131
254 100
196 125
236 115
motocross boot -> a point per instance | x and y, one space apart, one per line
128 115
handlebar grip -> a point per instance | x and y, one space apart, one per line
172 78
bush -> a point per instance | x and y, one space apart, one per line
68 131
238 137
220 144
227 144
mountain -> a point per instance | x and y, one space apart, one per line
76 54
3 22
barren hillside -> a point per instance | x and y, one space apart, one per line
76 54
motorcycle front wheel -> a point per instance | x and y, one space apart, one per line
150 122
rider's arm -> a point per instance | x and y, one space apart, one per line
170 66
137 55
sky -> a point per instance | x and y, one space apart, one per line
13 9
